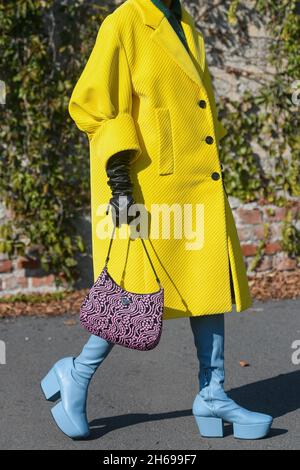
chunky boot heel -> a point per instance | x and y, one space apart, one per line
210 427
251 431
50 386
65 424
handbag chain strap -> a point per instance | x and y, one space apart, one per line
108 253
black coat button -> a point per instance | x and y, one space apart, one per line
209 139
202 104
215 176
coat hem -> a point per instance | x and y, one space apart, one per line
181 315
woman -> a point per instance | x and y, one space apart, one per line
146 102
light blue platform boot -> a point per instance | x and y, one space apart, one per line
212 406
69 379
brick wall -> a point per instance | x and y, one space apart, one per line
250 220
24 274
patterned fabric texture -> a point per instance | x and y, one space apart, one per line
122 317
141 90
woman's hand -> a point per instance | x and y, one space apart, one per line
118 172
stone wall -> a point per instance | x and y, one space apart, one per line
236 64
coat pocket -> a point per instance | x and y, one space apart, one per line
165 141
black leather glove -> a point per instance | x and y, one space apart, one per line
118 172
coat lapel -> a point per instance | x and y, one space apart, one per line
163 33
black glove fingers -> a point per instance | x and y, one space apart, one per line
118 172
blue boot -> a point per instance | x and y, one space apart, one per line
69 379
212 406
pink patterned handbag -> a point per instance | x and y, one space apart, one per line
126 318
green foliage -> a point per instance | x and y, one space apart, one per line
291 237
260 248
232 12
44 160
270 119
34 298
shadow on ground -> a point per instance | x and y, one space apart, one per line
276 396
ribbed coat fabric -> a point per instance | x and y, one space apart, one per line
142 90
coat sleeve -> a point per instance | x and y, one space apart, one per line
101 102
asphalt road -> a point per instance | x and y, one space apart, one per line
143 400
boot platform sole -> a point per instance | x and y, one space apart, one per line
214 427
64 423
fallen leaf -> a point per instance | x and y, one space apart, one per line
244 364
70 322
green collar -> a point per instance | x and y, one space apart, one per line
175 8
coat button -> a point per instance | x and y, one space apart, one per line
215 176
202 103
209 139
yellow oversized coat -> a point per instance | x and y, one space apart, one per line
141 90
